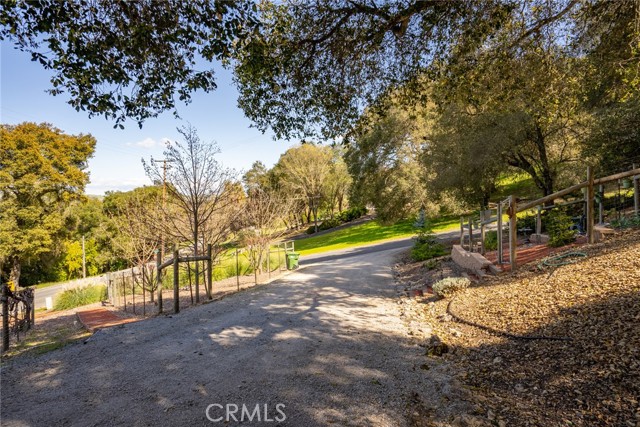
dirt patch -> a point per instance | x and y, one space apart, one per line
420 276
52 330
587 374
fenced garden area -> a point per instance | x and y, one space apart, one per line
605 204
139 291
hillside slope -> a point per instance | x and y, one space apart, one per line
589 376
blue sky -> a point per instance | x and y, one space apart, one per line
116 163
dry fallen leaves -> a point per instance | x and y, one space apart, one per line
592 380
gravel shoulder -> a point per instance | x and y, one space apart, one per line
330 342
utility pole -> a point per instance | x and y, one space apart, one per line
84 260
164 200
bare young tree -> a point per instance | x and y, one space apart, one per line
263 216
198 193
138 237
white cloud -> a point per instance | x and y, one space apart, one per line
145 143
100 186
148 143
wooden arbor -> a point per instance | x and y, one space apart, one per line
175 261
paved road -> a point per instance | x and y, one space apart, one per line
327 342
41 294
403 243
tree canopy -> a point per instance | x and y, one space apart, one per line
127 59
41 170
314 66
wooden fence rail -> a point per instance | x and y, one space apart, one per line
589 184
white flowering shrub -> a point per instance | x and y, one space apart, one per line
449 286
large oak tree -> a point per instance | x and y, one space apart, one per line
41 170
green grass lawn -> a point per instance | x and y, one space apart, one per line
368 232
520 185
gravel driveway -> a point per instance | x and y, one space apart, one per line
327 342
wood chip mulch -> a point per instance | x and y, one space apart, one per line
589 378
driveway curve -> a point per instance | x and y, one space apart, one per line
326 345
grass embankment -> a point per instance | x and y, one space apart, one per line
519 185
368 232
78 297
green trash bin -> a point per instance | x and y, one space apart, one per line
292 260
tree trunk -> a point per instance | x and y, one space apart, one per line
152 288
315 217
14 275
485 200
546 172
195 254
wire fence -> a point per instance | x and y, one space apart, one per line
135 291
17 313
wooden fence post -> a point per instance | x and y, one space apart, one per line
109 289
269 261
197 268
124 292
482 227
461 232
499 236
144 297
33 308
539 221
159 280
5 318
470 234
636 192
133 290
590 205
209 271
513 232
601 204
176 280
237 271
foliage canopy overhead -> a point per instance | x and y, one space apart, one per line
127 59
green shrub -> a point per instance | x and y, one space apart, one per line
449 286
352 213
425 251
426 246
80 296
491 240
328 224
559 229
626 222
527 221
431 264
